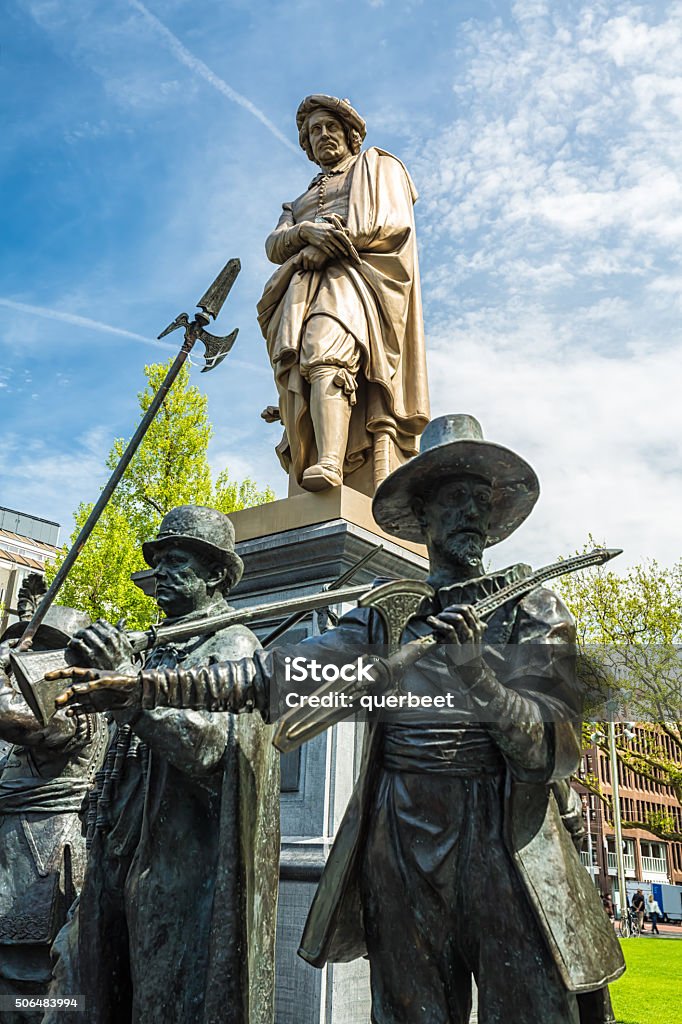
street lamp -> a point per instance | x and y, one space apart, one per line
598 736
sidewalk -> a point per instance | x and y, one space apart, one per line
668 931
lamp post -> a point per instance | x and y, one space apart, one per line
617 826
588 823
598 736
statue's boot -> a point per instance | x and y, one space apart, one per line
330 412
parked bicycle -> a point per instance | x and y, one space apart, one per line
628 926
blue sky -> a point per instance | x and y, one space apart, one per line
145 144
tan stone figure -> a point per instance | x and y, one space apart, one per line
342 315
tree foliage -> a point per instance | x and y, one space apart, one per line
170 468
630 635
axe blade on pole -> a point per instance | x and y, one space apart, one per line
210 304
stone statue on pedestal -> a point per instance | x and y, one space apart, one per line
342 315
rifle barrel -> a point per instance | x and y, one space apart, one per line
143 640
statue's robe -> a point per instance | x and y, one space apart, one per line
378 301
177 916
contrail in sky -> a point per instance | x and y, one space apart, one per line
80 321
201 69
97 325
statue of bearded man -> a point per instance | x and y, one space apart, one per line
342 315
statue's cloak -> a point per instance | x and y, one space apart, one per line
378 301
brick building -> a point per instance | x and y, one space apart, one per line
648 859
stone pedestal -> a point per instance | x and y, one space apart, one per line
293 547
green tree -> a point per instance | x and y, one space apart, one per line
170 468
630 635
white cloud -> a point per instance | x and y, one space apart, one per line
604 435
36 476
553 206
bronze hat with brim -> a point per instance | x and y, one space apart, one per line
452 446
56 629
338 107
200 529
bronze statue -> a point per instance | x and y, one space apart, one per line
342 315
176 919
44 778
454 817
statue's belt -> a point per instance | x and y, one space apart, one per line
430 749
36 796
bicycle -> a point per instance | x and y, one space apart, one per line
628 926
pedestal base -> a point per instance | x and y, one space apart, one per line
289 548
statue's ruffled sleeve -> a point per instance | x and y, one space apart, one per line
187 734
257 683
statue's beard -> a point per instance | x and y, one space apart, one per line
464 548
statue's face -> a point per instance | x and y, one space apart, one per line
327 138
455 519
184 581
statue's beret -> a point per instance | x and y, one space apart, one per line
340 108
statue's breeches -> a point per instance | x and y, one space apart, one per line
442 902
326 342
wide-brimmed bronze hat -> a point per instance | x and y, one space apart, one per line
340 108
200 529
451 445
56 629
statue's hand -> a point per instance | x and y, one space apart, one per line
92 690
459 626
103 646
332 241
312 258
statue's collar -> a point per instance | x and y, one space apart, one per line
470 591
339 169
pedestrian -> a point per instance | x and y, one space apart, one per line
608 905
654 912
638 907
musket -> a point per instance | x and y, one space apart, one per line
30 667
215 351
396 602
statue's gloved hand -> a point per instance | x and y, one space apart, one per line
333 241
459 627
92 690
312 258
103 646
